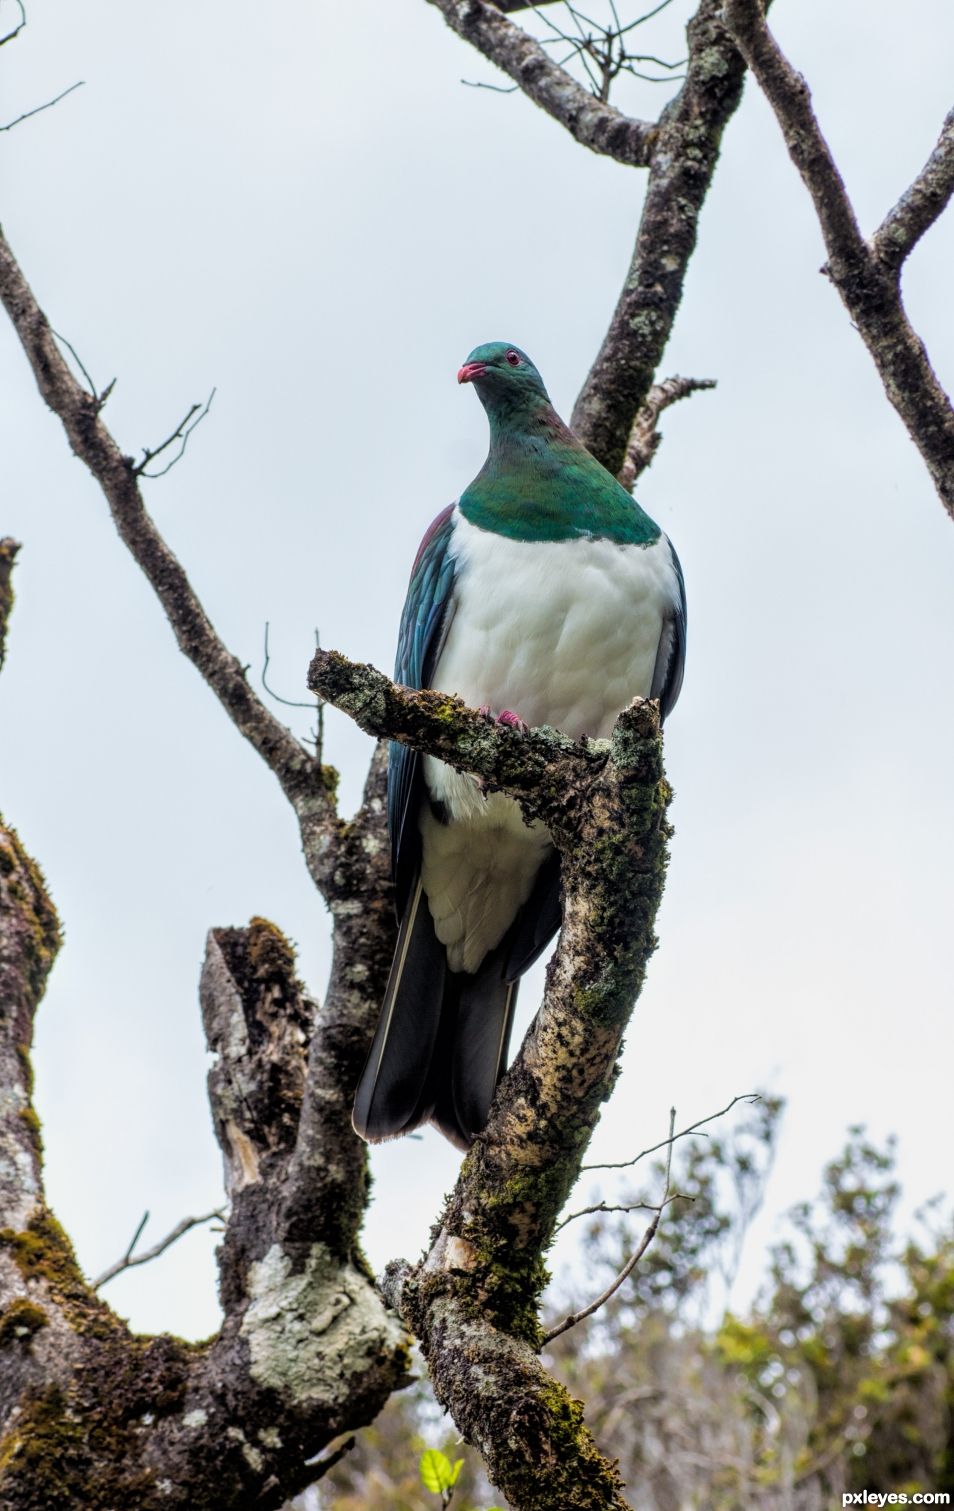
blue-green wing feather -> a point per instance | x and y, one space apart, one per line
424 625
671 656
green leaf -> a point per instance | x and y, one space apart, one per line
437 1473
455 1472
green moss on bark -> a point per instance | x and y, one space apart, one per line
20 1321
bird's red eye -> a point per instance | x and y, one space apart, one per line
513 358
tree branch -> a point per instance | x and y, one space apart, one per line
683 160
594 1306
131 1259
47 104
8 553
589 121
307 784
920 205
867 281
15 32
29 942
627 1164
645 437
473 1301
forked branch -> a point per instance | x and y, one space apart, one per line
865 273
590 121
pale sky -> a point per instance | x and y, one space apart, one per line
301 205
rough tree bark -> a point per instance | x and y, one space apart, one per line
310 1348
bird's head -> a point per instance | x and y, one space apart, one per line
504 377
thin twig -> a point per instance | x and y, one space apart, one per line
574 1317
604 1207
181 434
494 88
38 108
18 28
288 702
130 1259
79 362
746 1096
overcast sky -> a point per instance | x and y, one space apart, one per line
301 205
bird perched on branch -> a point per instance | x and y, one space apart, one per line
545 595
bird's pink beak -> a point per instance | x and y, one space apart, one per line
470 371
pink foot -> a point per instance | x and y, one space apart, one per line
513 721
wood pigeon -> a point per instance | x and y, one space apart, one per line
545 595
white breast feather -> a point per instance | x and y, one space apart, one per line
559 632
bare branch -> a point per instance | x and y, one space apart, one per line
266 663
868 284
627 1164
182 432
130 1259
18 28
574 1317
306 783
645 438
589 121
920 205
605 1208
47 105
683 160
8 553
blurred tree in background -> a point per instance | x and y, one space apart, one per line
840 1375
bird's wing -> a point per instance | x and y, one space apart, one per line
428 610
671 655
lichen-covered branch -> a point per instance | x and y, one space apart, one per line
865 274
29 940
473 1301
920 205
92 1415
308 785
645 437
596 125
8 552
682 162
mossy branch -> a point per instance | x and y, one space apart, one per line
473 1301
682 164
8 552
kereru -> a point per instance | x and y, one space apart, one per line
545 595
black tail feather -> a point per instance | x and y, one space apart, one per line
483 1018
440 1047
393 1094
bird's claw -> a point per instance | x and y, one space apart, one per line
513 721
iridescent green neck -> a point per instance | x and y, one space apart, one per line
540 483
